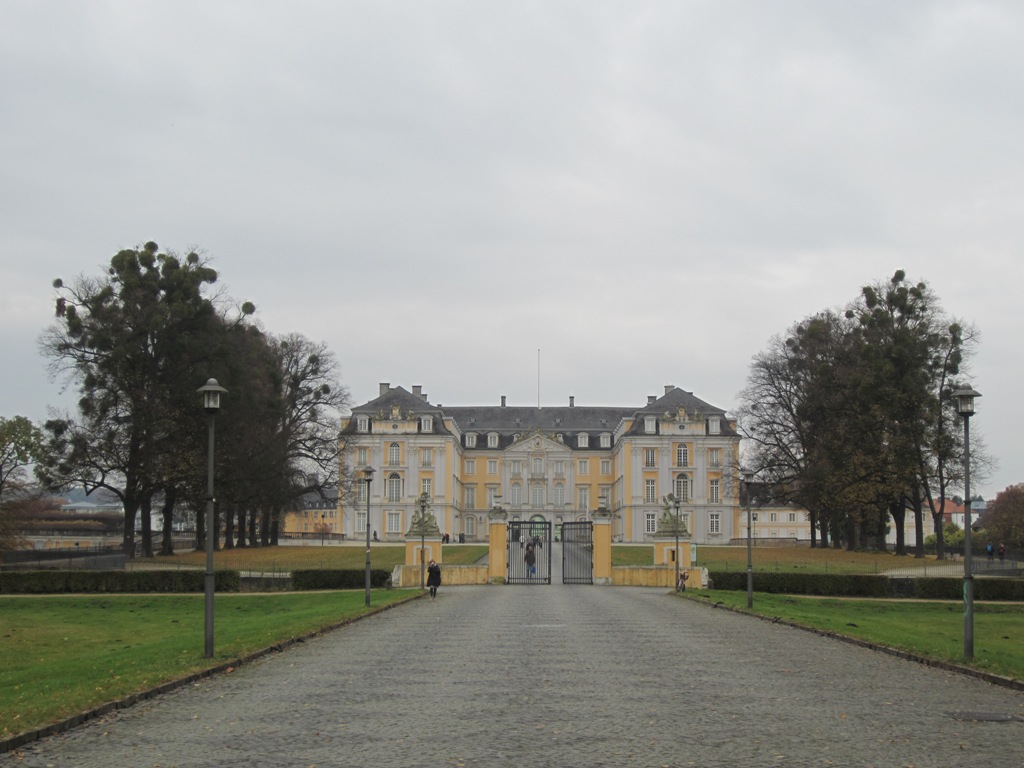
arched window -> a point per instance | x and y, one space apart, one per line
394 487
683 488
394 455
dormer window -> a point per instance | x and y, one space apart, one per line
426 424
471 440
651 425
492 440
714 426
583 440
363 423
606 440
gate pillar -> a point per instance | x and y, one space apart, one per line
497 520
602 546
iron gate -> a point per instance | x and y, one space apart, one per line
529 552
577 553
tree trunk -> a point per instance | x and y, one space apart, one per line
240 538
252 528
813 517
898 510
265 527
918 505
131 508
147 525
167 541
275 526
229 528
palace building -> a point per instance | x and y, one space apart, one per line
557 464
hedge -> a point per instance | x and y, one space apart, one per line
848 585
338 579
56 582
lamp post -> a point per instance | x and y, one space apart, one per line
422 504
748 476
211 404
323 525
675 501
368 478
965 406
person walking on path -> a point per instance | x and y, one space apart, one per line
433 578
531 559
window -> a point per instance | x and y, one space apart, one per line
649 457
471 440
361 522
469 497
559 468
685 518
427 457
471 526
517 496
492 466
426 485
427 424
606 466
394 487
753 516
606 440
363 423
517 467
394 522
559 495
537 495
714 426
470 466
773 517
361 457
792 517
583 497
584 467
361 492
650 491
583 440
538 465
682 456
394 455
713 495
650 523
651 425
714 457
715 523
492 491
492 440
683 488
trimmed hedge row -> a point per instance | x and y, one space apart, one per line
848 585
338 579
57 582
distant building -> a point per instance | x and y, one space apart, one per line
556 464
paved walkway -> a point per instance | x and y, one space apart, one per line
558 676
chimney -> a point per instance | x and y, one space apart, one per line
502 401
385 387
424 398
669 388
651 399
417 389
572 401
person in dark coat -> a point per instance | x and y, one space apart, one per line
433 578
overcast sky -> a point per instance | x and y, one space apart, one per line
646 192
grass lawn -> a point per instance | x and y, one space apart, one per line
288 558
62 655
931 629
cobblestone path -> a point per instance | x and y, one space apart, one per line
558 676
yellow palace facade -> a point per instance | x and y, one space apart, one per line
557 464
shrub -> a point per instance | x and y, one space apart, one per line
338 579
63 582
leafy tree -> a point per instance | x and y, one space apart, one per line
20 444
133 342
1005 519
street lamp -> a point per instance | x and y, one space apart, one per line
422 505
323 525
965 406
675 501
368 478
211 404
748 477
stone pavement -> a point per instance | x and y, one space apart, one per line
558 676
